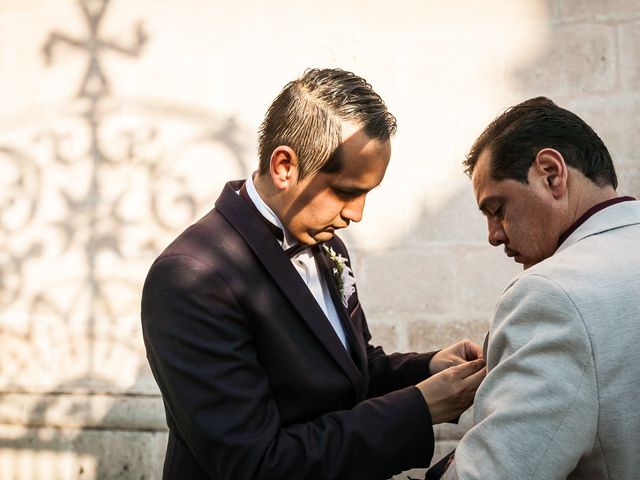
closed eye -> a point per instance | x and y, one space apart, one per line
492 209
347 194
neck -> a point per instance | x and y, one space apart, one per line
266 190
589 197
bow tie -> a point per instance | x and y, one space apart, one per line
274 229
297 249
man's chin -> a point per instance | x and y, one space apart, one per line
522 261
525 261
323 236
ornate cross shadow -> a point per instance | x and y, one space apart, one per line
86 203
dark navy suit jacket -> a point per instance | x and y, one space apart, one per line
255 382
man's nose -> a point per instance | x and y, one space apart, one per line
496 233
352 210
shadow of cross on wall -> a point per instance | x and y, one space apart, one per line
62 362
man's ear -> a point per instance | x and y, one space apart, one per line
283 167
549 164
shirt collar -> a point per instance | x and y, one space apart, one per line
589 213
267 213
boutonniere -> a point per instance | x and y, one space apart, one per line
342 274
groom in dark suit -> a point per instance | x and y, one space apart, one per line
252 323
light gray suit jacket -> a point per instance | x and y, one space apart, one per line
562 396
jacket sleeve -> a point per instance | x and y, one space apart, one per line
387 372
535 413
218 398
390 372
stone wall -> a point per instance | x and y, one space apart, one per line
121 120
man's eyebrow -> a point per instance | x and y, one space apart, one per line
483 205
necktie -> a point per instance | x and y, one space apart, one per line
297 249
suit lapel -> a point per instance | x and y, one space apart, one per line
326 270
263 243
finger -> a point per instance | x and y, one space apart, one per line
457 359
468 368
475 379
473 350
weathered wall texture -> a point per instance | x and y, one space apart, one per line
121 120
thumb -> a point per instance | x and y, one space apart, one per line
473 350
468 368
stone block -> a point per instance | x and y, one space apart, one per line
428 335
614 118
629 39
69 454
408 280
78 411
385 335
482 273
541 70
629 184
458 220
574 10
589 56
389 330
574 57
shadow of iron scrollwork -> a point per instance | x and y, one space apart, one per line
86 202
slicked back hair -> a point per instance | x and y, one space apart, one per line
514 139
308 113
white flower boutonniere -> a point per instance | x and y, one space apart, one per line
343 275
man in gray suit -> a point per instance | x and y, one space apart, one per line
560 399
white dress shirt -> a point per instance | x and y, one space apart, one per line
304 263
